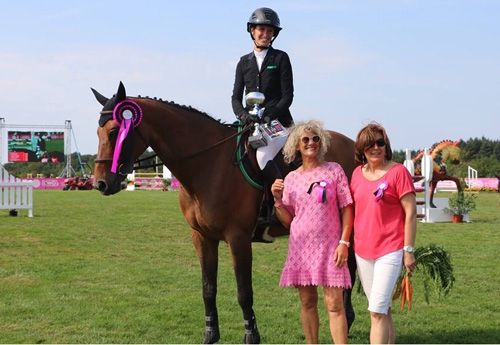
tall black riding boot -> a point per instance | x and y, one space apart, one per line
267 216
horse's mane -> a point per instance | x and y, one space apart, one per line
185 107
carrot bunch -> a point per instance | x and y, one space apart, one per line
405 290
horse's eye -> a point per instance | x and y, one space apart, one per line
112 135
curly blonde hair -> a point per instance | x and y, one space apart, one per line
291 148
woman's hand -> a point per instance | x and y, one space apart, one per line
409 262
340 255
277 190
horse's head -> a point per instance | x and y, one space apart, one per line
116 151
447 151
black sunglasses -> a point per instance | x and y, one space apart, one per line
315 138
380 143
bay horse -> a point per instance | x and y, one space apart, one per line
446 151
215 198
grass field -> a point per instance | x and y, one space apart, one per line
122 269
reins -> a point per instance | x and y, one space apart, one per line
245 129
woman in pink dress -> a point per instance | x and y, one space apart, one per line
315 202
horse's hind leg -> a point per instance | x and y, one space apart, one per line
241 252
349 309
208 255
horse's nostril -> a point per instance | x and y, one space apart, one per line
101 186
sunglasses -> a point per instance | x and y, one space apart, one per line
315 138
380 143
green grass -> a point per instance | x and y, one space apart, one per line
122 269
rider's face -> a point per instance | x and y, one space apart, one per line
262 35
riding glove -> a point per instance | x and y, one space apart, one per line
249 118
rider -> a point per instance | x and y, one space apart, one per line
269 71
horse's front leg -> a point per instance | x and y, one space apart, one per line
207 250
241 251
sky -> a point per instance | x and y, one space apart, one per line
426 70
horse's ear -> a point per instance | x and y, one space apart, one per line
120 94
100 98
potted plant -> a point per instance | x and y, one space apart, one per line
166 183
459 204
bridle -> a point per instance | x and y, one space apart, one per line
137 165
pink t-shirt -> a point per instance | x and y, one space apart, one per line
379 226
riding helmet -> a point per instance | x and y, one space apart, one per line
265 16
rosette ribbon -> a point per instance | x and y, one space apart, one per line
379 193
127 114
322 191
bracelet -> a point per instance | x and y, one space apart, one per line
278 204
348 244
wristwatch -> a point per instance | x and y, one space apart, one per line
408 249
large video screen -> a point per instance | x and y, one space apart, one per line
45 147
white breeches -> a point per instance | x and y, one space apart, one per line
268 152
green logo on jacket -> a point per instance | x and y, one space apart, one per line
272 67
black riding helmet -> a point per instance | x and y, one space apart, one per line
265 16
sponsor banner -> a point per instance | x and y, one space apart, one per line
46 183
154 183
482 183
140 183
148 183
478 183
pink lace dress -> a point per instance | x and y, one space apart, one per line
316 227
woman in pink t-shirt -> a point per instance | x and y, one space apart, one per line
385 225
315 202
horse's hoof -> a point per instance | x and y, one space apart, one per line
211 337
252 338
252 335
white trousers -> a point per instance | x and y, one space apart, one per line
379 278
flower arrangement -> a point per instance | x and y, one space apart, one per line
461 203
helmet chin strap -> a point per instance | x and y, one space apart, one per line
262 47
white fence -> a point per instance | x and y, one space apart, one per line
15 194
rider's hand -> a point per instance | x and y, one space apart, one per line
249 118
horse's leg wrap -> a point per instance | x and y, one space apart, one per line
212 334
252 335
